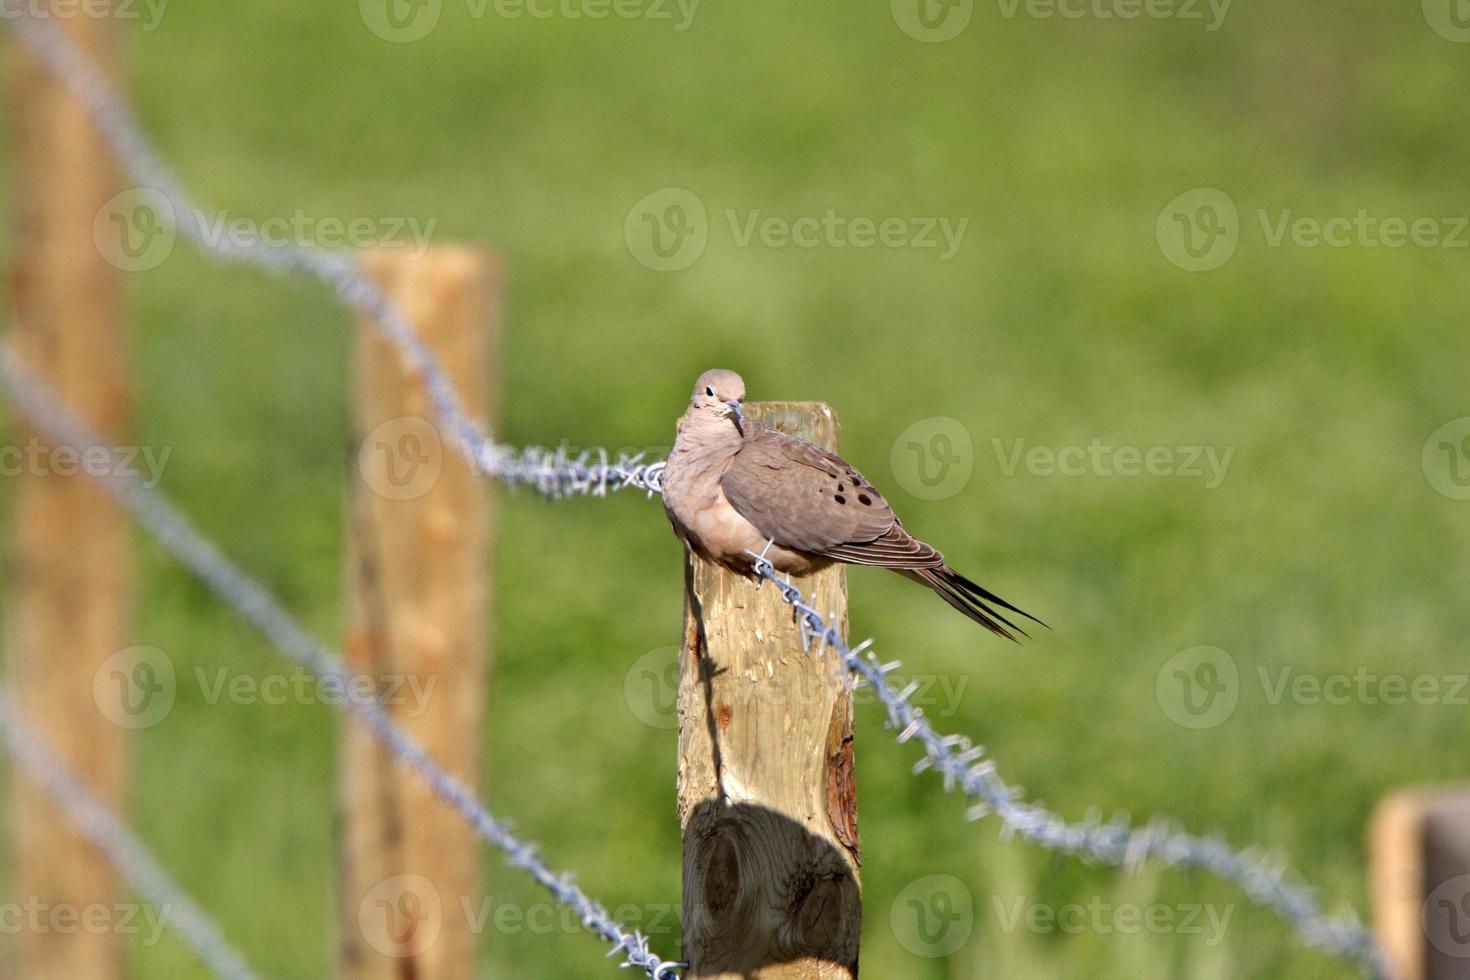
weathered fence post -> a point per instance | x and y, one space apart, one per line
1421 882
72 554
418 608
766 793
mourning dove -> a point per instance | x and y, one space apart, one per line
735 488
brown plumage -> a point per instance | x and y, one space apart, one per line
734 486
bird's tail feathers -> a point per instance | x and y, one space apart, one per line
974 601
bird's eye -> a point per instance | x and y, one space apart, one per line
710 392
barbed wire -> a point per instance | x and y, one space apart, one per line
108 834
552 472
256 605
558 473
966 767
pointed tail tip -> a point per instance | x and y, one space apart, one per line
979 604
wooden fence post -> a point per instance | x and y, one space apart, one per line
1420 845
418 609
766 793
72 553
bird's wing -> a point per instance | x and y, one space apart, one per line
808 499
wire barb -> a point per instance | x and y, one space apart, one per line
255 604
551 472
557 474
965 767
127 853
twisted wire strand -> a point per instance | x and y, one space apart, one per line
558 473
248 597
108 834
965 766
555 473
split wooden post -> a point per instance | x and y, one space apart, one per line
767 799
70 578
417 623
1420 846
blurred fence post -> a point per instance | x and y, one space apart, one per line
1420 845
72 554
767 800
417 618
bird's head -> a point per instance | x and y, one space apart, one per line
717 397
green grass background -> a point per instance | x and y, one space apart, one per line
1325 549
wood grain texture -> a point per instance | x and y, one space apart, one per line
418 610
1420 852
72 553
767 800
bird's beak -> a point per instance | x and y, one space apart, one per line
738 414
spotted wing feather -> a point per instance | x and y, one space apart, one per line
809 499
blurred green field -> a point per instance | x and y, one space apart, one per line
1325 549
